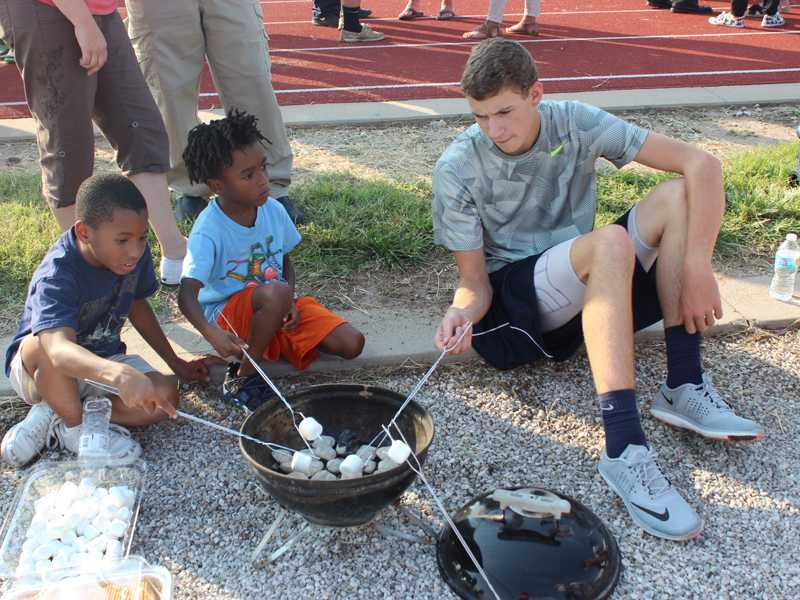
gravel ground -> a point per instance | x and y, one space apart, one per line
203 513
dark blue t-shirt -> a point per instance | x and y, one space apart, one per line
66 291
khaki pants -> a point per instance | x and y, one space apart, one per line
171 39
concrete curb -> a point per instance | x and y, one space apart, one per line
361 113
397 336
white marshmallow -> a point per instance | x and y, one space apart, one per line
68 489
100 493
69 537
81 543
90 532
399 452
117 496
113 549
301 462
116 528
351 467
43 552
30 544
124 514
98 544
86 487
310 429
42 567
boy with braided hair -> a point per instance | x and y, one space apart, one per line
238 278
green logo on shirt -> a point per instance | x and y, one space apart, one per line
557 150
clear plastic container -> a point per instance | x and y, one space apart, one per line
785 269
48 477
94 441
131 578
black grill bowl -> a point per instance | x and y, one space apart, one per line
360 408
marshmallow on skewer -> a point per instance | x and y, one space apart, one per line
351 467
310 429
398 452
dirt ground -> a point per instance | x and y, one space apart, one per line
407 151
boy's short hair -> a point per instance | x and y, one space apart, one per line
210 147
495 64
100 195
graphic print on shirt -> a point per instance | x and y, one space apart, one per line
261 265
105 313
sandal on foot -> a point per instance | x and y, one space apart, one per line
445 14
487 29
523 28
409 14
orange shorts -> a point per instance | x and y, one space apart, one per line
297 346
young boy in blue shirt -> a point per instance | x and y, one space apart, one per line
238 279
97 274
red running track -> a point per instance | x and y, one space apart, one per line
591 45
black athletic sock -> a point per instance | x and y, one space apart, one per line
351 22
683 356
620 421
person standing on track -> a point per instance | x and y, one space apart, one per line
172 40
77 67
491 26
735 18
514 199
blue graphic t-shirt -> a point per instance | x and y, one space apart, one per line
227 257
66 291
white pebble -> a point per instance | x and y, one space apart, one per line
301 461
324 441
382 453
385 465
298 475
285 467
399 452
370 466
325 452
351 467
316 467
366 453
334 465
282 456
324 476
310 429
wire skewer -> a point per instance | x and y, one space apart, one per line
189 417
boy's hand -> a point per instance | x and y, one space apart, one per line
225 343
192 370
292 318
94 52
137 390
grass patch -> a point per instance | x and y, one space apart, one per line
357 223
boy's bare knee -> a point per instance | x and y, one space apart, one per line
275 295
614 245
354 346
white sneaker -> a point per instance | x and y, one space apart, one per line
775 20
700 408
652 502
25 440
122 449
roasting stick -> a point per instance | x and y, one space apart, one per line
272 446
421 382
418 470
275 389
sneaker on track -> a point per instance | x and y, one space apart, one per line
726 19
25 440
367 34
123 449
775 20
652 502
700 408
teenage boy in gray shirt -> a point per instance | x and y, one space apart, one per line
514 199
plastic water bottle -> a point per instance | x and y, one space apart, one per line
94 444
782 286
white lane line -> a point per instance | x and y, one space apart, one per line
481 16
609 38
395 86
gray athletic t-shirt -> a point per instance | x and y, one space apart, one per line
518 206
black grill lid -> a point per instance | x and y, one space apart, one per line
532 543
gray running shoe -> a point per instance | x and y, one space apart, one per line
654 505
367 34
700 408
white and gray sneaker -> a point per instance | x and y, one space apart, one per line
25 440
122 449
700 408
652 502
